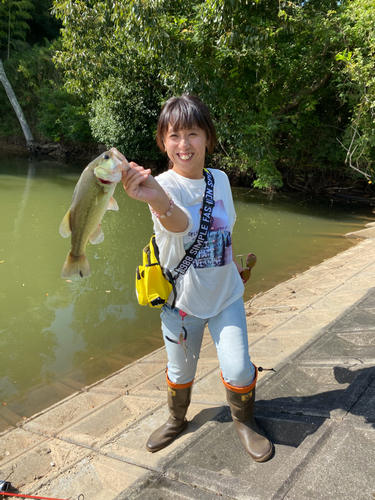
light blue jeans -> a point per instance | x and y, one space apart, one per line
229 333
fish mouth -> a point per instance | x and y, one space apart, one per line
121 158
116 153
103 181
107 177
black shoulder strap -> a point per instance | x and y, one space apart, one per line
208 206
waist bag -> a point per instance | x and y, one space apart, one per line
153 283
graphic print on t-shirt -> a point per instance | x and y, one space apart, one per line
217 249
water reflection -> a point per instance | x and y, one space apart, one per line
57 335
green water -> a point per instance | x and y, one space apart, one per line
57 336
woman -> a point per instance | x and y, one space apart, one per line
211 291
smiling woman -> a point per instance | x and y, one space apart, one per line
186 148
209 288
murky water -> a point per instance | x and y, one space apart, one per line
57 336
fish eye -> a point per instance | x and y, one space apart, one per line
106 157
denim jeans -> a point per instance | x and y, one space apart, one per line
229 333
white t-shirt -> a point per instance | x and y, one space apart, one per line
212 282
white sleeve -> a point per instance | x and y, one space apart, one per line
173 190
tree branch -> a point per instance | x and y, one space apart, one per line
302 95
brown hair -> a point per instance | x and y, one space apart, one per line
183 112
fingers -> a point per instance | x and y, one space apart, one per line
133 178
128 176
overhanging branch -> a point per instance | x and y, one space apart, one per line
298 98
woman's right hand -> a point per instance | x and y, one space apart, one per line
139 183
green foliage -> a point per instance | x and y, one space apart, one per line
62 116
264 68
124 115
48 107
91 51
43 24
357 85
13 22
290 83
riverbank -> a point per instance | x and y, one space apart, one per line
56 150
338 186
93 442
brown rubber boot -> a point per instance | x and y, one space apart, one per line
241 401
178 403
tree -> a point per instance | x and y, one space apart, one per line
30 142
357 86
267 69
124 115
43 24
13 25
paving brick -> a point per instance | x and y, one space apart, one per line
216 461
95 477
314 389
40 464
129 377
364 409
155 487
15 443
130 445
65 413
343 469
97 427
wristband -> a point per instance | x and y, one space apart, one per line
168 213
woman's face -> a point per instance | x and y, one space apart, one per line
186 148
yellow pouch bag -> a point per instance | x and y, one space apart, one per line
153 284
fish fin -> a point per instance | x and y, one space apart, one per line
64 228
112 205
97 236
76 265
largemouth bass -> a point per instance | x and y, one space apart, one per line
92 197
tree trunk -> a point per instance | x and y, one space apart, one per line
30 142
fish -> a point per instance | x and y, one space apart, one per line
92 197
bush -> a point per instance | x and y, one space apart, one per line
62 116
125 116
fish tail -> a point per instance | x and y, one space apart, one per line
76 265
